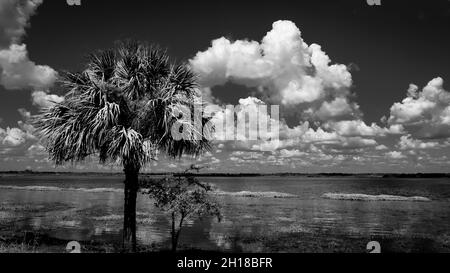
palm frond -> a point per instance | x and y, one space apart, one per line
123 107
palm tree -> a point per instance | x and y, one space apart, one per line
121 108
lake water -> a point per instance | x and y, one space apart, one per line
81 207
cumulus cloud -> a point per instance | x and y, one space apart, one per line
283 68
24 113
44 100
304 137
381 147
395 155
335 140
360 128
13 140
36 149
17 71
291 153
14 16
302 79
12 137
426 113
338 109
343 135
406 142
248 124
16 136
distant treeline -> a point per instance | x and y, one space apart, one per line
383 175
417 175
271 174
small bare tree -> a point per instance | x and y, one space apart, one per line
182 198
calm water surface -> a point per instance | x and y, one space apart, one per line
80 207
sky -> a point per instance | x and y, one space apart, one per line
361 88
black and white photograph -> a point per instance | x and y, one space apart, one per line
224 127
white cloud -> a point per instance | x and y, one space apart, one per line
335 76
286 70
248 114
14 15
357 143
291 153
339 108
12 137
36 150
26 115
282 67
395 155
426 113
406 142
320 136
360 128
332 138
308 137
381 147
18 72
42 99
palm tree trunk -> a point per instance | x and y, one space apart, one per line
129 222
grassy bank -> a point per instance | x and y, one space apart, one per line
286 242
338 243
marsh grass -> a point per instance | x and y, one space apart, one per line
17 248
252 243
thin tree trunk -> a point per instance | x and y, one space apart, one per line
176 233
129 219
173 233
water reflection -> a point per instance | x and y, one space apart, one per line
97 215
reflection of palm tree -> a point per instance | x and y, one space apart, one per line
122 108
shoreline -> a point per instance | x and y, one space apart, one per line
311 175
